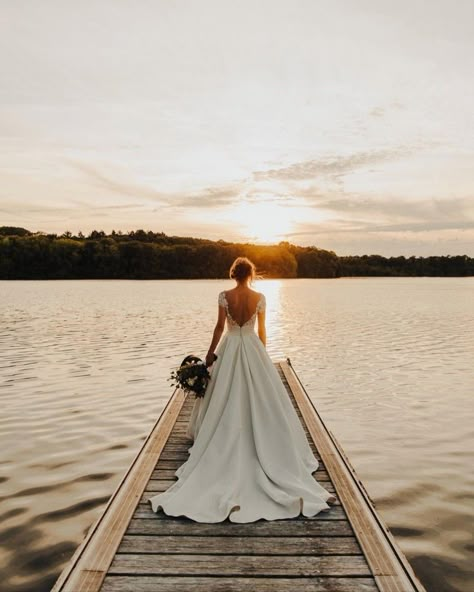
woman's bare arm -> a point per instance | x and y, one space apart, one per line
262 331
216 336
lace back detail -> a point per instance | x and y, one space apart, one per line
261 305
222 300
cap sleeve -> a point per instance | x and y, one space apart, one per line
262 303
221 300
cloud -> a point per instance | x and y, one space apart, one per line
392 207
347 226
26 209
384 215
332 166
429 226
112 183
94 207
443 242
208 197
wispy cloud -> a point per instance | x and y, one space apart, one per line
366 215
349 226
208 197
333 166
112 183
391 207
211 197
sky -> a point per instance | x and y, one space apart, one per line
344 124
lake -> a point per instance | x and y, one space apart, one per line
83 376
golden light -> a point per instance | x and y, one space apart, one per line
271 289
275 330
263 222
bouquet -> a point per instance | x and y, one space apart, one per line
192 376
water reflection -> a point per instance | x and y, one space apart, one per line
272 291
83 375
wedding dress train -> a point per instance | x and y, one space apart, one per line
250 458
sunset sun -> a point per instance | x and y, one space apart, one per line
263 222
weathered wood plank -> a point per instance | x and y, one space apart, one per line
170 464
294 527
236 584
239 565
179 440
245 545
178 447
174 455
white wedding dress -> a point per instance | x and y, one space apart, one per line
250 458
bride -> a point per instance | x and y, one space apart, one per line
250 458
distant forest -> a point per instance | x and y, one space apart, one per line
144 254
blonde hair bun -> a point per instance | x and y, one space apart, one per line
241 269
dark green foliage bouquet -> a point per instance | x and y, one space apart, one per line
192 376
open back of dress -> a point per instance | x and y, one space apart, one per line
236 318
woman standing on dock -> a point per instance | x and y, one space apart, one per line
250 458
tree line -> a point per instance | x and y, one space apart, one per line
144 254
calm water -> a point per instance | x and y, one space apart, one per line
83 376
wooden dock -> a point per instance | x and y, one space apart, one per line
132 549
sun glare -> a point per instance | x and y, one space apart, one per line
263 222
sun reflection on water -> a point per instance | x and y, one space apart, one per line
272 291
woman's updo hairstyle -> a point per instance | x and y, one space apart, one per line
241 269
